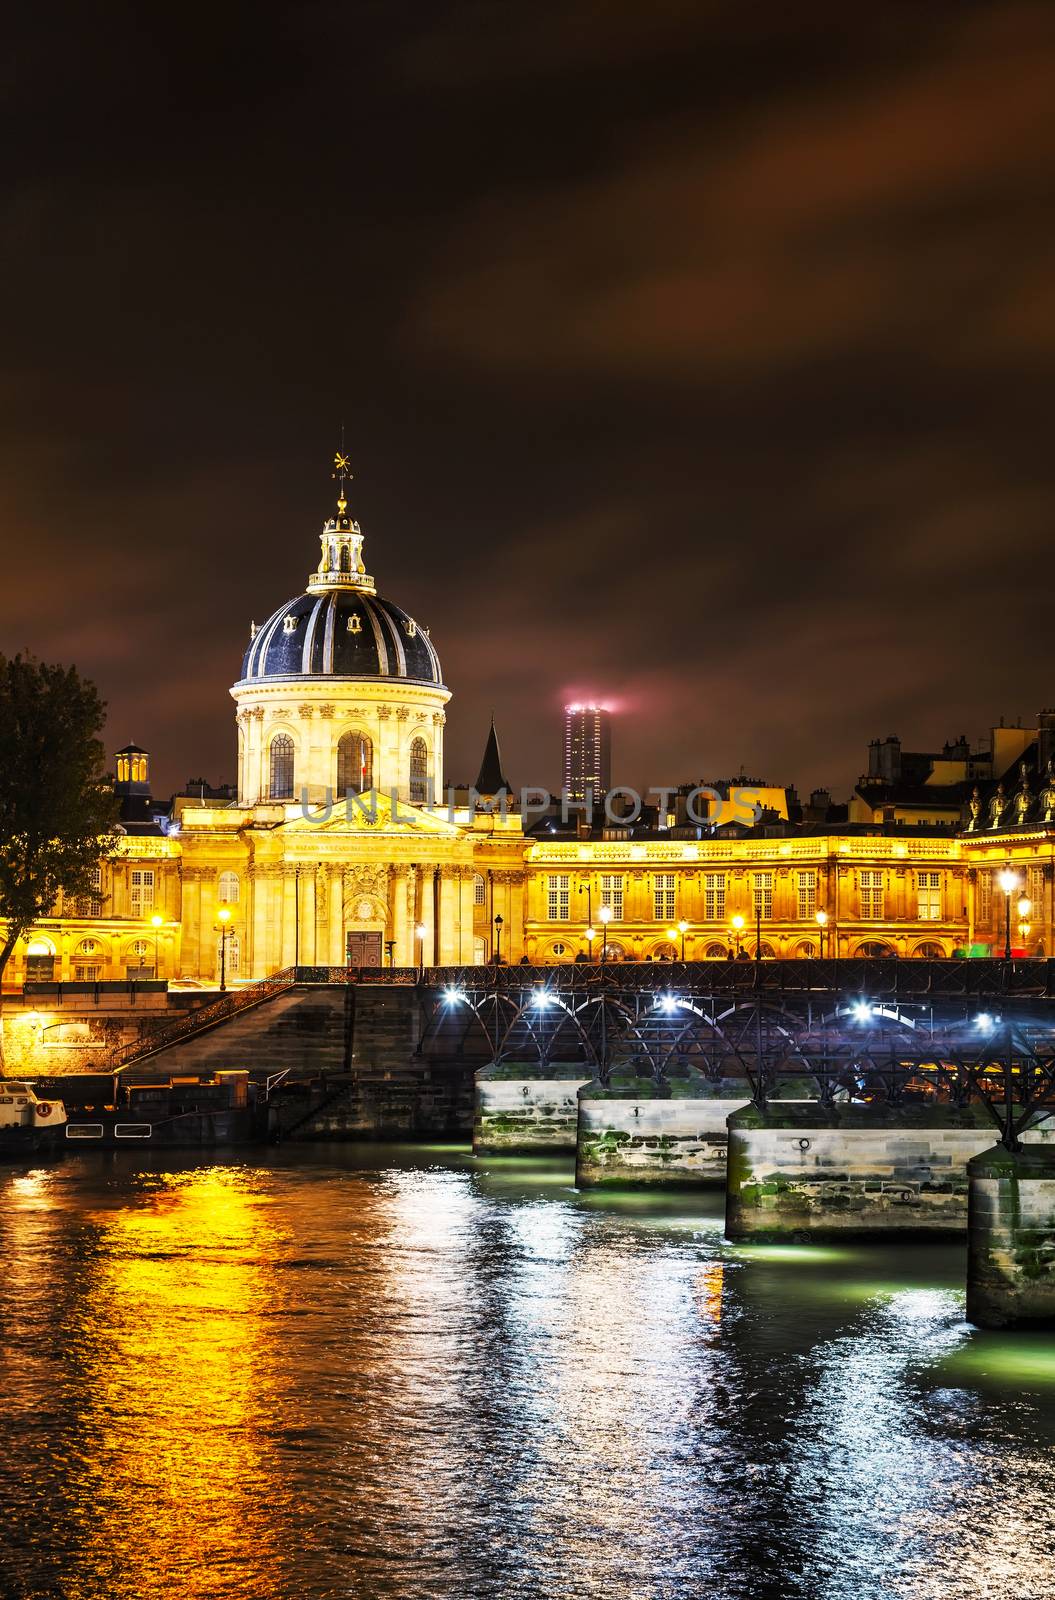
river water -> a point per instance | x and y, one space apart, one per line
394 1371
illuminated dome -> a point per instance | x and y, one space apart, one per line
340 690
341 633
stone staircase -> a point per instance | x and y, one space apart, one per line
350 1055
302 1030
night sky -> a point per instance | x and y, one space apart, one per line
696 357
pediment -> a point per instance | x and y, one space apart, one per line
372 814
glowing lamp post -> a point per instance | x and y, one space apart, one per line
224 915
683 929
155 922
420 932
498 939
738 928
821 920
1008 881
672 935
605 915
1025 906
591 934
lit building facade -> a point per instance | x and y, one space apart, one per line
338 849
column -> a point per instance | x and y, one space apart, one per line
337 950
288 912
261 955
449 886
191 930
466 912
515 902
397 919
322 914
428 914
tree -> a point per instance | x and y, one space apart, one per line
58 813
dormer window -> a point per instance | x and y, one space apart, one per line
289 623
355 623
411 627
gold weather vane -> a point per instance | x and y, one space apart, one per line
341 472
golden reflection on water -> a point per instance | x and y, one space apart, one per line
171 1487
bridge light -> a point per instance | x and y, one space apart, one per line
454 997
542 998
984 1021
668 1002
862 1011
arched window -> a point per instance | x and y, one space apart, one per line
479 891
228 888
717 952
419 772
281 754
355 764
345 561
930 951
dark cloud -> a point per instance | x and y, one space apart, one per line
694 359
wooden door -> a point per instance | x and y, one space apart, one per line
362 949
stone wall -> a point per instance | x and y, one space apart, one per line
1011 1238
639 1132
522 1108
801 1169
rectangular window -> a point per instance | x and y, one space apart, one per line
664 897
87 972
870 886
142 896
984 912
807 887
714 896
763 895
1035 891
928 896
479 891
557 887
612 894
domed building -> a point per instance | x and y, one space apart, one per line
340 691
341 846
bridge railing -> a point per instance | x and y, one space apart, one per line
870 978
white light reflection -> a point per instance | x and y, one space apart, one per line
879 1477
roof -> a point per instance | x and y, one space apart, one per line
491 779
342 634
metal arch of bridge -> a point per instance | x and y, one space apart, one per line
893 1051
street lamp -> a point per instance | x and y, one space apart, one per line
224 915
155 922
591 934
672 935
683 929
1025 906
605 915
738 928
758 926
1008 881
498 939
587 890
421 931
821 919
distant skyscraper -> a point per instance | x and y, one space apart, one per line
587 751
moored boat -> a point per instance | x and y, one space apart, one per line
29 1124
